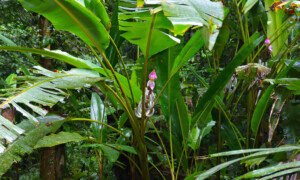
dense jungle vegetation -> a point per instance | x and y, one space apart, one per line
149 89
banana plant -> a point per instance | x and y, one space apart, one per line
157 28
82 19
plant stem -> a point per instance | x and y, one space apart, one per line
126 73
240 20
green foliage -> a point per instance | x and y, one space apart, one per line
108 151
42 90
57 139
98 113
191 12
71 16
137 32
20 27
99 10
258 153
205 102
26 143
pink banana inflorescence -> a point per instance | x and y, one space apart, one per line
149 97
267 43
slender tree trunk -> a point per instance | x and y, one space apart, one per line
53 158
45 33
47 161
52 163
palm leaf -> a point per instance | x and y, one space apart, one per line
44 90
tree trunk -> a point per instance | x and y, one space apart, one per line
47 162
53 158
45 34
52 163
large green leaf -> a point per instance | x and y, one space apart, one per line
45 91
25 144
164 63
182 117
57 139
138 32
193 12
206 102
99 10
260 108
193 138
186 13
69 15
98 113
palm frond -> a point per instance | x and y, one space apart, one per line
38 91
